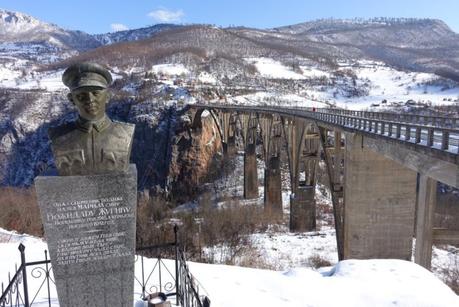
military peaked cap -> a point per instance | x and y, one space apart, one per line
86 74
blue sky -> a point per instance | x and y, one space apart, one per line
100 16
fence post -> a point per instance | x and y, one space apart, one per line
418 135
47 278
24 275
407 132
177 294
143 278
398 129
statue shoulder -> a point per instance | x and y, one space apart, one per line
58 131
126 127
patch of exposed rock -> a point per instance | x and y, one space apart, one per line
195 155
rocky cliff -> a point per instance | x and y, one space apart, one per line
195 153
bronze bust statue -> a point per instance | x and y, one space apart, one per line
93 144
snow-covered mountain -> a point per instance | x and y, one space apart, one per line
17 27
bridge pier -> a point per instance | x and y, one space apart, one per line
271 132
380 197
303 209
230 148
250 172
302 145
273 187
425 214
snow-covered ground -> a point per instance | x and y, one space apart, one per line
274 69
396 86
350 283
170 69
276 99
11 77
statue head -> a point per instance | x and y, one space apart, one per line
88 84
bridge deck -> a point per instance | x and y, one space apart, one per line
438 136
420 137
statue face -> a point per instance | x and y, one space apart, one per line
90 102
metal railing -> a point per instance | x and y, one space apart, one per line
437 121
441 140
189 287
178 282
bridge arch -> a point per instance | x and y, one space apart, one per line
197 120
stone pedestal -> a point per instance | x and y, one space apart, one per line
250 172
273 187
303 209
90 224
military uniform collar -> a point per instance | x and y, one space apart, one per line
87 125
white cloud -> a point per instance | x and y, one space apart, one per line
164 15
118 27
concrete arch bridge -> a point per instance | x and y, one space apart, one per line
383 170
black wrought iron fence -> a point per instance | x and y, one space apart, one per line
189 287
169 276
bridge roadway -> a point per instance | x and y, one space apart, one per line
383 170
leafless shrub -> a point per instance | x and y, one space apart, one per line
324 213
153 221
228 227
253 259
221 234
19 211
451 275
316 261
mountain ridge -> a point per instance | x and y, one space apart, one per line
328 24
426 45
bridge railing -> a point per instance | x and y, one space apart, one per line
437 121
439 139
444 139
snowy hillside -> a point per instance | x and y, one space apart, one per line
351 283
359 85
